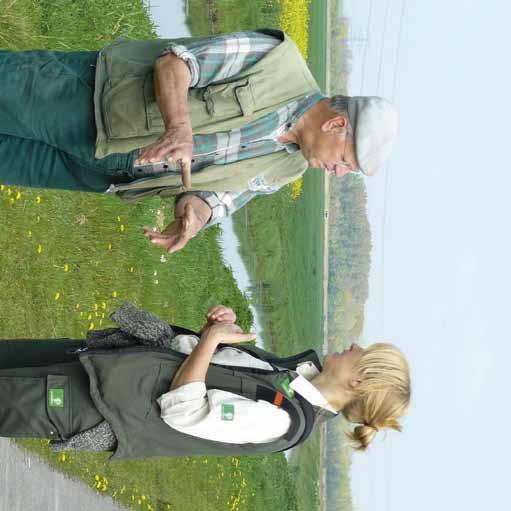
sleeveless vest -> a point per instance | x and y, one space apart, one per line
125 383
127 115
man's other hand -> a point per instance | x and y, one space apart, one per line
192 214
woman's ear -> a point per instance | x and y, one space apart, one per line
355 382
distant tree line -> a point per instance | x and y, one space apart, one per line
349 259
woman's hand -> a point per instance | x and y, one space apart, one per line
225 332
220 313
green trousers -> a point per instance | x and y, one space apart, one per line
47 127
44 390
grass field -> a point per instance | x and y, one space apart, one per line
68 260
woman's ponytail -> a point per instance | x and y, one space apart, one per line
383 395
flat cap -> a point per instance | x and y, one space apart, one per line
374 123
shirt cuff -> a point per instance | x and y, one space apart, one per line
187 56
218 202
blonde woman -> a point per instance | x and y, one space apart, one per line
150 389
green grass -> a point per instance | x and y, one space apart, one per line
282 244
217 16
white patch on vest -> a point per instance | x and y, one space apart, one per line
259 184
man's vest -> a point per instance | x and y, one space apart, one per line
127 115
125 383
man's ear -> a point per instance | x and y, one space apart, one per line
336 124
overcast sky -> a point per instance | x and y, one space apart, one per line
440 281
439 213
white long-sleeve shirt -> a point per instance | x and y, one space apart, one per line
227 417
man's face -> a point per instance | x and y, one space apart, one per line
327 146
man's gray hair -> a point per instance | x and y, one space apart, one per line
339 105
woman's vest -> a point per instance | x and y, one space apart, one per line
127 115
125 383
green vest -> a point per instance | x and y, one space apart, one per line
127 115
124 385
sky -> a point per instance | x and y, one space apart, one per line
440 282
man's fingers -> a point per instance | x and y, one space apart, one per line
187 218
177 245
186 172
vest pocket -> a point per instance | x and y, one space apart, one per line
123 107
28 408
226 100
58 405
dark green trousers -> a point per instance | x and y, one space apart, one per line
44 390
47 127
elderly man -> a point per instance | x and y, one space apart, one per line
222 119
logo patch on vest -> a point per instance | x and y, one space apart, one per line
259 184
227 412
56 398
284 385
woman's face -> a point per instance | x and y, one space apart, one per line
340 366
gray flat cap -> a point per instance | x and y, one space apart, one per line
374 123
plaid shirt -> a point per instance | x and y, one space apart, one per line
217 58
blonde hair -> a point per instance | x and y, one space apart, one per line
382 396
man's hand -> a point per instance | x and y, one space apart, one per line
220 313
176 144
192 214
178 233
225 332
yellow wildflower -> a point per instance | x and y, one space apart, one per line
114 294
121 227
29 233
38 199
295 189
109 246
295 21
66 267
57 295
18 195
39 248
91 326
